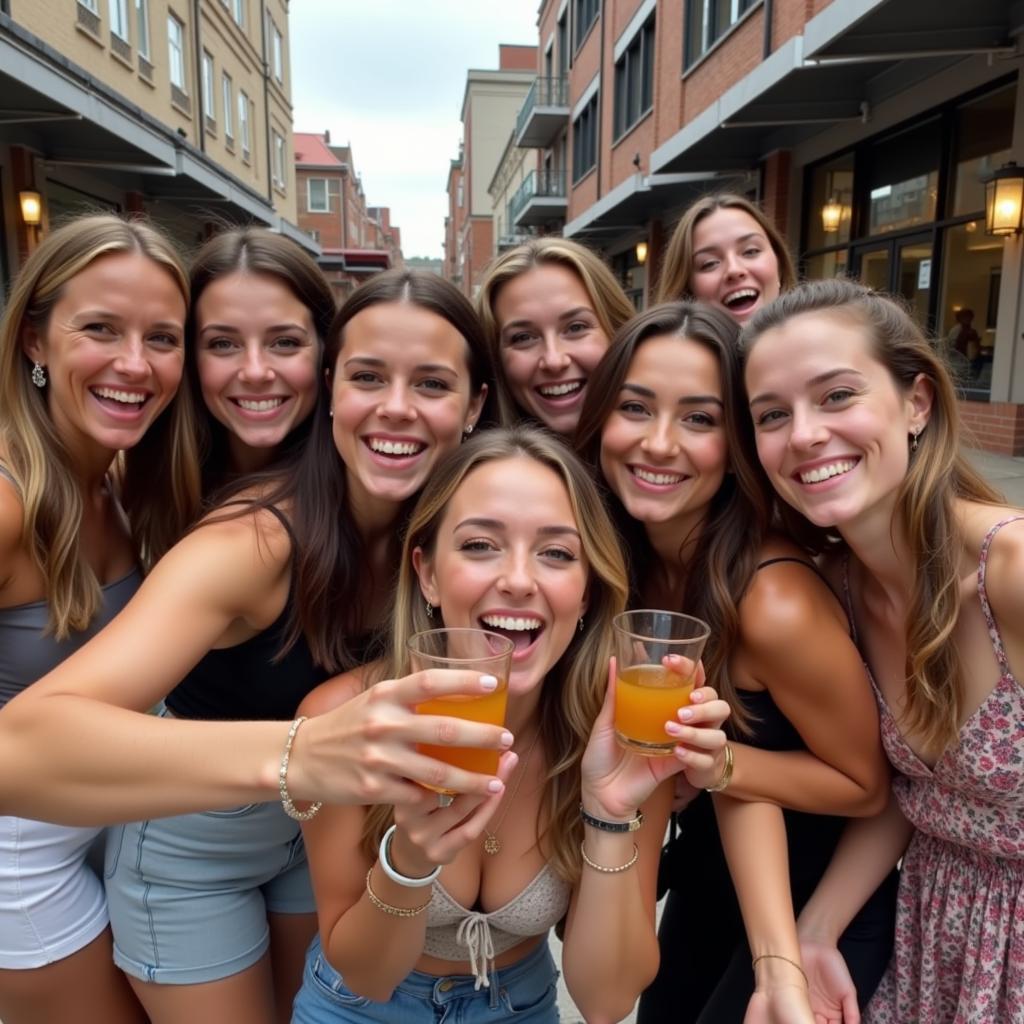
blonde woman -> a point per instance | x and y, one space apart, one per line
549 308
510 533
92 350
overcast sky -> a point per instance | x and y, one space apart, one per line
388 76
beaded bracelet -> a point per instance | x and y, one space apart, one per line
609 871
384 860
778 956
387 908
282 779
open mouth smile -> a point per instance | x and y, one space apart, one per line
825 471
523 630
653 478
742 300
120 401
562 392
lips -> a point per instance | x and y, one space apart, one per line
650 478
122 402
265 405
522 628
741 300
825 470
562 392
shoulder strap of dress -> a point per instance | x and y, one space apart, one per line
986 608
7 474
848 597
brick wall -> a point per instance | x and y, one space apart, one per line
995 426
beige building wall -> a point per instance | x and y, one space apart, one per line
516 164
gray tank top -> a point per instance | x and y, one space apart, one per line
27 653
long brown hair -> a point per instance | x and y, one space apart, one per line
611 306
732 532
330 562
571 694
674 281
938 475
159 479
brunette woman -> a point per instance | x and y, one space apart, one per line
664 423
509 534
858 429
549 308
92 349
271 592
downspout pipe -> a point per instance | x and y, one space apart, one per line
200 92
266 104
769 6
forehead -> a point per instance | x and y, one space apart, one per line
723 226
244 293
670 362
538 289
403 332
519 490
123 277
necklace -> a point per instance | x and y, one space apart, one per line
492 844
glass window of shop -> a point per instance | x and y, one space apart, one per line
905 213
631 274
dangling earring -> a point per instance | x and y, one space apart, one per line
913 444
581 624
430 610
38 375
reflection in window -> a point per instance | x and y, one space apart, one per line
904 178
708 20
831 194
984 134
829 264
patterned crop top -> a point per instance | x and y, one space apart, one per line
455 933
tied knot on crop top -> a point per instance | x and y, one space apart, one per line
456 933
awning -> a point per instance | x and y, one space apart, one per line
851 57
356 261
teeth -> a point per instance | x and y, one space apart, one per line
557 390
128 397
516 625
739 296
657 478
815 476
263 405
395 447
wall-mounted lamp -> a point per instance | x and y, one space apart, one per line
1004 200
31 207
831 215
641 253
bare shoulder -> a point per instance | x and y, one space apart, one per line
332 693
12 522
1004 568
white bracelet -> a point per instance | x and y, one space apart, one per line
282 779
395 876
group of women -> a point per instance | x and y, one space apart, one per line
226 506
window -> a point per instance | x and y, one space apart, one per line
119 18
563 43
209 103
243 123
90 5
984 135
238 11
903 178
458 194
228 104
277 52
317 200
315 235
278 160
634 80
584 140
142 27
176 51
584 15
708 20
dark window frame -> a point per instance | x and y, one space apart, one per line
634 89
585 139
697 41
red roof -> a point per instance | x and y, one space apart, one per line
311 149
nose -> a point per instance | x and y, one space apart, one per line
734 267
256 367
395 403
516 578
131 358
554 358
661 440
807 429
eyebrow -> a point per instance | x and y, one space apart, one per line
426 367
106 314
568 315
821 378
639 389
232 329
497 524
737 241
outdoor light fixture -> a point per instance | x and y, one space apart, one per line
31 207
641 253
1004 200
831 215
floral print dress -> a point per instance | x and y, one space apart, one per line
959 952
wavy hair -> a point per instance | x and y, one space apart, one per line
159 478
674 281
937 475
573 690
732 532
611 306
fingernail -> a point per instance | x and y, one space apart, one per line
696 697
489 682
685 714
673 728
506 739
495 786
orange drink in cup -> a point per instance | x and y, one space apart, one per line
477 650
649 690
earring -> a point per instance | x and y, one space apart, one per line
38 375
430 610
581 624
913 444
469 428
330 414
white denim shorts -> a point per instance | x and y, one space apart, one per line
51 901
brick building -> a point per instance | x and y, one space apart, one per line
181 110
356 240
866 128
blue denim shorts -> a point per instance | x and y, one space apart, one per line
189 896
525 991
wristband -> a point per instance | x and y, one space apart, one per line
396 876
611 826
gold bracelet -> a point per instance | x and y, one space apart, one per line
726 776
779 956
609 871
387 907
282 779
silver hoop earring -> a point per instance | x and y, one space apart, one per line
38 375
917 434
430 610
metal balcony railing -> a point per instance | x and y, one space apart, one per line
545 92
543 184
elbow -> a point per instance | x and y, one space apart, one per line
610 1003
872 798
356 982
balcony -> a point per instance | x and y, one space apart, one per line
544 111
541 199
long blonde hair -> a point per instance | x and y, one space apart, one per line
572 692
611 306
160 477
674 280
925 512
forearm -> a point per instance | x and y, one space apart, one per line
867 852
799 781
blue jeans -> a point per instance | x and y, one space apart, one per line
525 991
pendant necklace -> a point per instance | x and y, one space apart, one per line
492 844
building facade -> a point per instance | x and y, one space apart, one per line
356 241
179 109
866 129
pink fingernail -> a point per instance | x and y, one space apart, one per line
495 786
685 714
506 739
673 728
489 682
